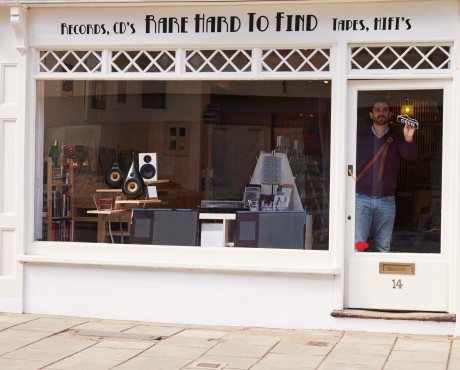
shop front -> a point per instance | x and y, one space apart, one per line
198 163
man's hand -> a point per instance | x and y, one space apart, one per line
408 133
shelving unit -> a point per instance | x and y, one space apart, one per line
298 136
58 223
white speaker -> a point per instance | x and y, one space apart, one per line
148 166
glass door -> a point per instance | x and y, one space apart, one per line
394 196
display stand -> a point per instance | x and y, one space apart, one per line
270 173
302 137
313 196
220 234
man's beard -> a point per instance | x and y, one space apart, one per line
380 122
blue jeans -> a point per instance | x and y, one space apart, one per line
376 214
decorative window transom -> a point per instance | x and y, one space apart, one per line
251 61
409 58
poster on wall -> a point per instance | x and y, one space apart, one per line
153 94
177 138
95 100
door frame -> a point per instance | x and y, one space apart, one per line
443 260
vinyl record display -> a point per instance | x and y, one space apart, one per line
114 175
133 186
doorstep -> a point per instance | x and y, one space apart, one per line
395 315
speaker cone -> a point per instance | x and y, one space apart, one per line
148 171
132 187
115 176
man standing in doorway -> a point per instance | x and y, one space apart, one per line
378 154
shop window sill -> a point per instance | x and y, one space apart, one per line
160 265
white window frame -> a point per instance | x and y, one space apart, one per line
176 257
327 262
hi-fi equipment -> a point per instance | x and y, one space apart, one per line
114 175
148 166
133 186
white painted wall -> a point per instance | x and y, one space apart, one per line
203 298
12 190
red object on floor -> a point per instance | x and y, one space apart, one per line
361 246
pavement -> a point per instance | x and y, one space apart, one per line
29 341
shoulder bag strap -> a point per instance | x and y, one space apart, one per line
382 151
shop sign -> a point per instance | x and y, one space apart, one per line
245 24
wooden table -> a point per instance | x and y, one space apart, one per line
138 202
103 217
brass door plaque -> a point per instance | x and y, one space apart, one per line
397 268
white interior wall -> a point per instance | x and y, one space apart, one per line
141 129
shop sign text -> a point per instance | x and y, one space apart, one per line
251 22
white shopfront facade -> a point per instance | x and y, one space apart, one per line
231 286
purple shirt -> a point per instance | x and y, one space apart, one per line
367 145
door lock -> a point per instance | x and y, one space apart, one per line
350 171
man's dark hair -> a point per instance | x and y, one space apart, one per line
385 101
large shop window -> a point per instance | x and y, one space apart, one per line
232 163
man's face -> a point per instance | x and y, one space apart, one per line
380 114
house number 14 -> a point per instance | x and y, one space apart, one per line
397 283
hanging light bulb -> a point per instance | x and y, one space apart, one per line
408 109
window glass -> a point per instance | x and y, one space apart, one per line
219 147
398 189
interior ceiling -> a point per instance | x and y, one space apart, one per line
304 88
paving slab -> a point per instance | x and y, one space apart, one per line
234 348
422 345
162 331
454 363
9 345
35 354
414 365
75 363
331 366
189 342
297 348
367 338
63 343
14 364
130 344
105 326
419 356
289 361
229 362
179 352
102 353
368 359
26 335
150 363
54 326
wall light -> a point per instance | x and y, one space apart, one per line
408 109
